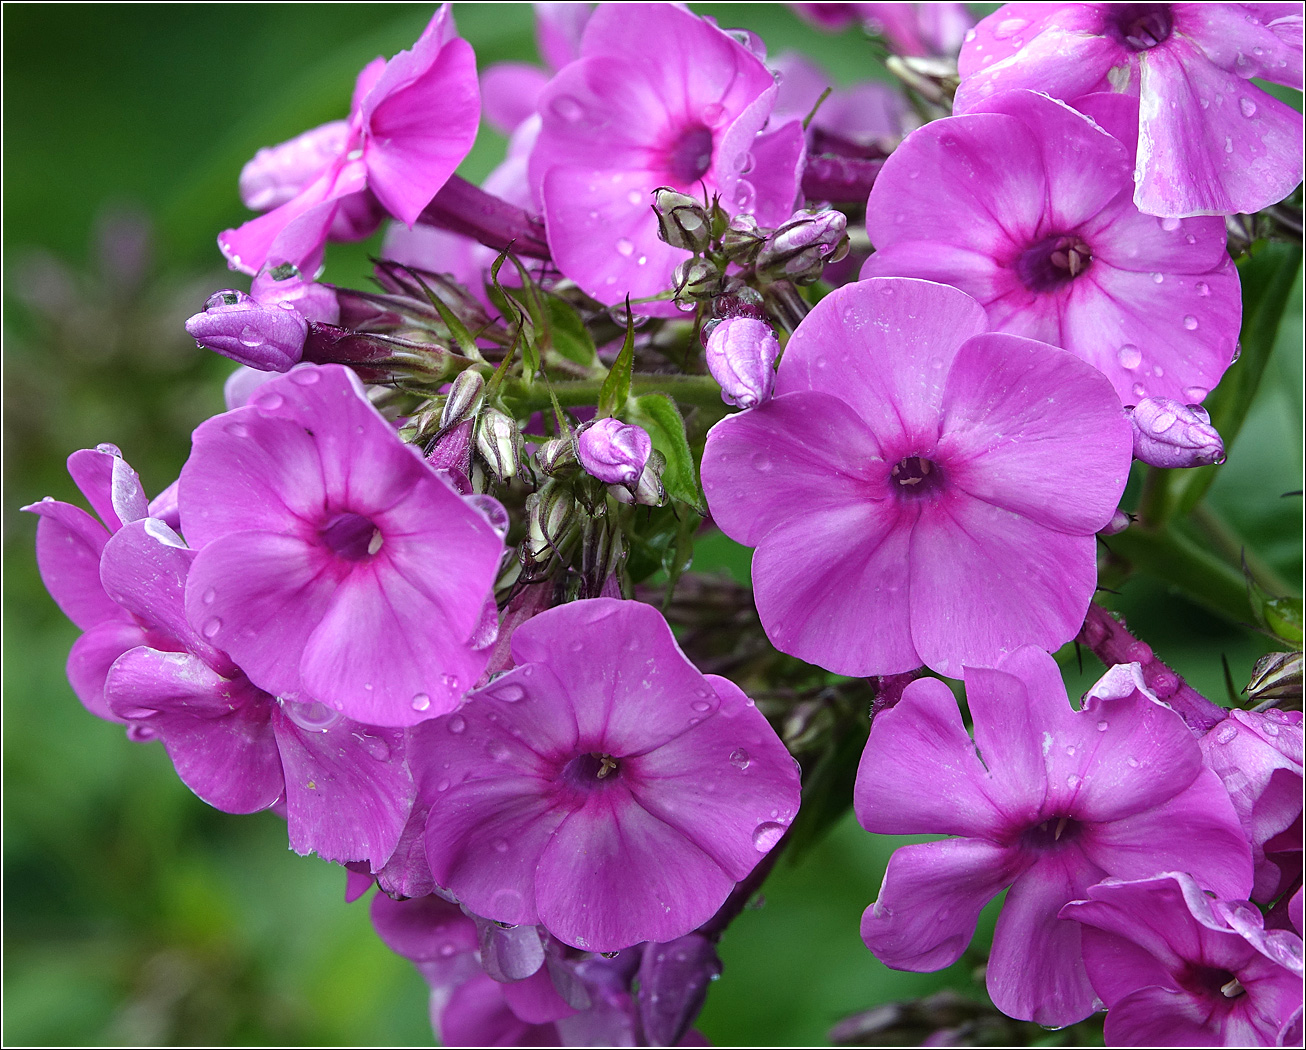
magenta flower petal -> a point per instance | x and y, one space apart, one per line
999 446
601 844
510 93
484 838
91 657
998 606
348 789
68 547
710 800
861 551
1238 152
217 732
1036 969
911 330
922 738
1136 845
109 484
807 453
931 899
421 119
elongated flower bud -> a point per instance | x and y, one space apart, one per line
498 441
683 222
269 338
613 451
741 355
464 399
743 239
1170 434
697 279
798 250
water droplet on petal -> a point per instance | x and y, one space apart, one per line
446 950
1203 289
457 724
1139 390
209 596
1009 27
625 246
238 430
421 702
1228 144
1158 278
509 693
1248 107
1102 727
377 748
1073 782
634 196
313 717
567 108
701 706
1190 322
1170 224
762 462
1130 356
1226 733
442 786
450 681
304 376
739 758
212 628
1195 394
500 846
766 835
712 112
270 401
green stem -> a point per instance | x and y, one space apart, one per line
1229 545
1178 561
688 390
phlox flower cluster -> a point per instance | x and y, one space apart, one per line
415 590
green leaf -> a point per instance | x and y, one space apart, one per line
509 306
461 334
616 388
1283 616
571 339
658 414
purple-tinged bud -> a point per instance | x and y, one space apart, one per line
613 451
551 525
697 279
743 239
799 249
285 284
683 222
269 338
673 983
741 355
464 399
1170 434
1118 523
498 442
452 449
277 174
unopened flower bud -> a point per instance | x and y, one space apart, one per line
464 399
269 338
673 983
285 284
743 239
550 527
1170 434
451 448
1276 676
613 451
741 355
648 491
683 222
1118 523
498 441
556 456
798 250
697 279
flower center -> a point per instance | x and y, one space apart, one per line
1141 27
1052 833
1210 982
352 536
1052 262
916 475
690 155
588 771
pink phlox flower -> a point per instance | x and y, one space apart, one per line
333 564
510 91
603 788
1046 801
1210 141
919 491
1026 205
1259 758
627 118
1176 968
69 546
869 113
412 121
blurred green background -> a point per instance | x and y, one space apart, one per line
133 912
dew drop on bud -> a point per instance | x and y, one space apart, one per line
1226 733
250 336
